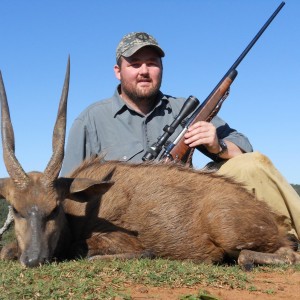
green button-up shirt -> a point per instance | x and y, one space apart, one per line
113 128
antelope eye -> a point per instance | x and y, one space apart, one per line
16 213
53 214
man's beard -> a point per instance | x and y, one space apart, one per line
139 94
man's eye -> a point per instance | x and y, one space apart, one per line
153 64
135 65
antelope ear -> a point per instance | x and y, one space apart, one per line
84 190
5 183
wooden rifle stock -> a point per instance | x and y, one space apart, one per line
178 151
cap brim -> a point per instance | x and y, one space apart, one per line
135 48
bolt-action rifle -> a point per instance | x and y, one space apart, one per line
178 151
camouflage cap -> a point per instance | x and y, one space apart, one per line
134 41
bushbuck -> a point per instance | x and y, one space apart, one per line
106 210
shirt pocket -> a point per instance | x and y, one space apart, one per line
124 152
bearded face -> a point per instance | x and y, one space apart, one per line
145 87
140 75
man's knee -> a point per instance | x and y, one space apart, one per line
247 163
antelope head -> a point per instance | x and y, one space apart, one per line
35 197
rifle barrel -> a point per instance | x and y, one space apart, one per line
241 57
248 48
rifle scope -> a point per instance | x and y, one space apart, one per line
189 106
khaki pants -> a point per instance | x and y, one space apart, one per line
259 175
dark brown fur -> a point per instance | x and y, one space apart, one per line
121 210
173 212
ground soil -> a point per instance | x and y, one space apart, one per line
274 285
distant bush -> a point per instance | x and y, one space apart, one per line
9 234
3 211
297 188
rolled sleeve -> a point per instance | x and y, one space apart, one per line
224 131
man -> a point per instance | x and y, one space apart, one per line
125 125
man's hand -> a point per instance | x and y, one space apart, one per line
203 133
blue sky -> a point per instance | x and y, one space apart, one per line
201 39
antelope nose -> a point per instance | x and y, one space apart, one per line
32 262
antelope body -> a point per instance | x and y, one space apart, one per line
112 209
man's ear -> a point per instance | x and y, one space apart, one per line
84 190
117 72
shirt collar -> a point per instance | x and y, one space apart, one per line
119 106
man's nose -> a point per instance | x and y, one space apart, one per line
144 69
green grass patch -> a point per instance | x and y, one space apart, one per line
105 280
